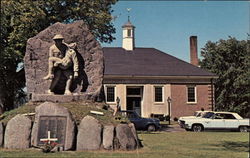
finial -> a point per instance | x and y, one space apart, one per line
128 9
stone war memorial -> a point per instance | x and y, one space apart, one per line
64 67
64 59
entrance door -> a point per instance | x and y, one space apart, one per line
134 103
134 99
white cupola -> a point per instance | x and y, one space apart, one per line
128 36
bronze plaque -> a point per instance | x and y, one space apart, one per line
56 125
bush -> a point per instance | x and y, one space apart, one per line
175 119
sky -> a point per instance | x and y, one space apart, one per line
167 25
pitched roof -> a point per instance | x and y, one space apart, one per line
147 62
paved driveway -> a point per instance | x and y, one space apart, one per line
172 128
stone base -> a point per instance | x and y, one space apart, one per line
60 98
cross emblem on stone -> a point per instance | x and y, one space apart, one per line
48 139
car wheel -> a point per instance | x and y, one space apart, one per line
197 128
243 129
151 128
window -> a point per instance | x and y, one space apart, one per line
110 94
208 115
129 33
191 94
129 114
229 116
133 91
158 94
218 116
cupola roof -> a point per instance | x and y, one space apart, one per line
128 24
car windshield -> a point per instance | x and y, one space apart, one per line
131 115
208 115
200 113
197 114
203 114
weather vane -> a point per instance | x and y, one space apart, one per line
116 16
128 9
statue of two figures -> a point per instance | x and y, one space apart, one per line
62 61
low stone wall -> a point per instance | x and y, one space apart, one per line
56 119
17 133
94 136
91 135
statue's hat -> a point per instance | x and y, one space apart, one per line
58 36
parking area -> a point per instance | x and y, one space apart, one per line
173 127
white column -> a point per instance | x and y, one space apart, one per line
121 92
147 100
167 92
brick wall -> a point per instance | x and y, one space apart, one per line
180 107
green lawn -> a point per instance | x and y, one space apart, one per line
165 144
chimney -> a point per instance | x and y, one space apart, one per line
193 51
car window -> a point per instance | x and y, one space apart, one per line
229 116
208 115
129 115
218 116
202 114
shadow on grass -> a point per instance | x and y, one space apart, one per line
236 146
165 126
230 146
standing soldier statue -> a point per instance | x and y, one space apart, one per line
118 106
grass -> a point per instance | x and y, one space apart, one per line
80 109
156 145
164 144
189 144
27 108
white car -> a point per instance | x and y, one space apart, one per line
217 121
197 114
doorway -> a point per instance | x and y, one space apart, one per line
134 99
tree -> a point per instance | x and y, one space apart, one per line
22 19
230 60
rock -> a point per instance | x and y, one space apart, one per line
125 137
89 134
132 127
17 133
90 56
1 134
108 137
56 119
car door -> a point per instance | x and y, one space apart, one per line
231 122
217 121
134 118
